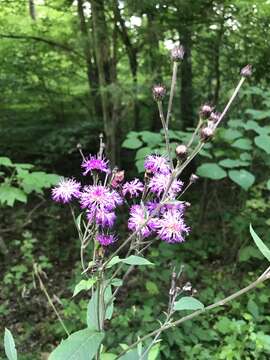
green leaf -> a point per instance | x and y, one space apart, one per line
9 194
151 287
84 285
244 144
5 161
91 317
268 184
211 171
81 345
115 260
107 356
117 282
142 153
136 260
261 245
188 303
36 181
231 163
263 142
229 134
151 138
140 165
242 178
248 252
132 143
9 345
154 352
131 355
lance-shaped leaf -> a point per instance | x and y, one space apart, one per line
188 303
261 245
9 345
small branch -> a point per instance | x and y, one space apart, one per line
265 276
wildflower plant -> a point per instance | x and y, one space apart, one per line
156 210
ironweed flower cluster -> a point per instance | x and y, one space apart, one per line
154 206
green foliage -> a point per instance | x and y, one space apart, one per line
262 247
9 345
21 182
81 345
188 303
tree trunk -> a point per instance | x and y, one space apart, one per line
186 94
32 9
92 75
103 58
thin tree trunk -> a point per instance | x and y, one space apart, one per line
103 58
32 9
186 94
217 59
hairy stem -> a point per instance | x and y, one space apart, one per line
173 83
166 133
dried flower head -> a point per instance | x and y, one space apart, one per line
206 133
118 178
246 71
159 92
177 53
206 110
181 151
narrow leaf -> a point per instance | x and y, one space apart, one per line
261 245
9 345
84 285
136 260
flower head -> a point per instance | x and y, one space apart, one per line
118 178
172 228
138 216
181 151
207 133
246 71
101 217
159 182
206 110
106 240
66 190
92 162
133 188
159 92
177 53
99 197
157 164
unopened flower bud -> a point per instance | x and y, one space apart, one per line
181 151
214 116
193 178
246 71
206 110
159 92
177 53
206 133
118 178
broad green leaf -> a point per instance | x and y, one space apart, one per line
136 260
131 355
211 171
9 194
261 245
229 134
248 252
23 166
5 161
107 356
263 142
9 346
91 317
151 287
36 181
231 163
242 178
140 165
84 285
245 156
258 114
81 345
154 352
132 143
188 303
268 184
151 138
117 282
142 153
244 144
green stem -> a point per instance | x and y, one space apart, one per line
265 276
173 83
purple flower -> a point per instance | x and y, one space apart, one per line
66 190
172 228
157 164
138 216
133 188
99 197
101 217
106 240
159 182
92 162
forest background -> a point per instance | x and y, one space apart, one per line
73 69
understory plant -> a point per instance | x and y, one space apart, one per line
106 205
